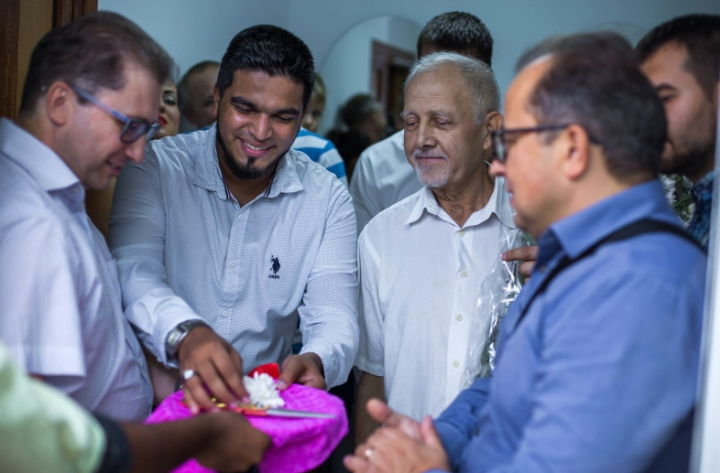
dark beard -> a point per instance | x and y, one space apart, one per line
691 162
245 172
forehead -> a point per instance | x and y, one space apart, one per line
667 64
138 97
204 78
441 89
267 91
516 100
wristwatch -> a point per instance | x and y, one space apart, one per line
178 334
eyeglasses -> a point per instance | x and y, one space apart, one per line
133 128
498 137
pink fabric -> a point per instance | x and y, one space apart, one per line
298 445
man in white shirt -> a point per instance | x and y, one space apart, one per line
383 175
225 236
422 261
90 100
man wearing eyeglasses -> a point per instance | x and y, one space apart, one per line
423 260
597 360
88 107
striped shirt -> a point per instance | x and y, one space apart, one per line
699 225
187 250
60 312
321 151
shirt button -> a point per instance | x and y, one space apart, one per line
464 273
461 233
456 364
232 263
226 313
459 317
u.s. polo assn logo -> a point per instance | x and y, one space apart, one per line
275 267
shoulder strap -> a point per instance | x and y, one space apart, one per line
634 229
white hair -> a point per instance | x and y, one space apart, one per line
482 86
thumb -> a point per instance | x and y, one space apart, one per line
292 368
429 434
381 413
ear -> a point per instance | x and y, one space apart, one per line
60 103
493 121
574 147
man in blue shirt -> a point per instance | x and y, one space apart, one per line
598 357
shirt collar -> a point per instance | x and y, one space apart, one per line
207 173
497 204
583 229
36 158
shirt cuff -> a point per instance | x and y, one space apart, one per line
372 368
453 442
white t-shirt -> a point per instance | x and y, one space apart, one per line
420 276
382 177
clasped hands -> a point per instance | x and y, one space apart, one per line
218 368
402 445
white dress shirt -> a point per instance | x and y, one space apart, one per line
186 249
60 303
420 276
382 177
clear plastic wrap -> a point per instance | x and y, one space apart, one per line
499 288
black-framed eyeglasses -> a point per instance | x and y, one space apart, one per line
498 137
133 128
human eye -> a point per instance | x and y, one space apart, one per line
284 118
170 99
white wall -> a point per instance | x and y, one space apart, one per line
346 68
514 24
192 30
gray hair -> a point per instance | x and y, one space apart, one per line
480 79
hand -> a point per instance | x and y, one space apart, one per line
527 254
390 450
217 366
233 445
306 369
382 414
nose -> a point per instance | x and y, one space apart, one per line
497 169
263 127
425 137
135 151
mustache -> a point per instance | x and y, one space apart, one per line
419 153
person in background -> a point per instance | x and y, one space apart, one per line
414 331
317 148
43 430
350 144
225 237
363 113
615 302
195 94
316 107
682 58
383 175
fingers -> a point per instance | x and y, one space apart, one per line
357 464
381 413
195 395
429 434
231 376
526 268
301 369
292 368
523 253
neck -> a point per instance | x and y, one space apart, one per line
244 190
461 200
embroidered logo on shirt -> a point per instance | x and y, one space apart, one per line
274 268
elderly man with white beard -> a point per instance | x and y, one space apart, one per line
422 261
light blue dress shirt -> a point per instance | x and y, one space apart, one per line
186 250
603 368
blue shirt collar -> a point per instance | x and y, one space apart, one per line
583 229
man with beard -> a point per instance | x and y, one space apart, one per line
422 260
224 237
682 58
